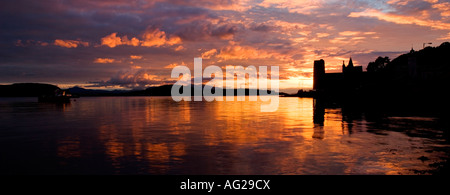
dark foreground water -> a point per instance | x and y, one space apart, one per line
155 135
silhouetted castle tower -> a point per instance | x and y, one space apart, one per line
319 73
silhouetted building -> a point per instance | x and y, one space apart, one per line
351 68
416 76
350 78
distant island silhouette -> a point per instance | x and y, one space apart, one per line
164 90
38 90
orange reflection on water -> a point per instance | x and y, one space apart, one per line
130 133
234 137
158 153
69 148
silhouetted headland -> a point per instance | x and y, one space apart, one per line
164 90
44 92
27 90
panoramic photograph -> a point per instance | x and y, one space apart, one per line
230 87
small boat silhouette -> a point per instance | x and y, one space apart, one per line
60 96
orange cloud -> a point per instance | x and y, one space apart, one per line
445 37
134 57
322 35
242 52
297 6
399 2
179 48
134 78
173 65
353 37
349 33
133 42
208 54
70 43
290 28
136 67
170 66
104 61
444 8
113 40
157 38
400 19
150 38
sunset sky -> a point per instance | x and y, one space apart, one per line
136 43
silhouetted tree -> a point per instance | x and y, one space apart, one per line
379 64
445 45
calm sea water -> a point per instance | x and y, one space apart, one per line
155 135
